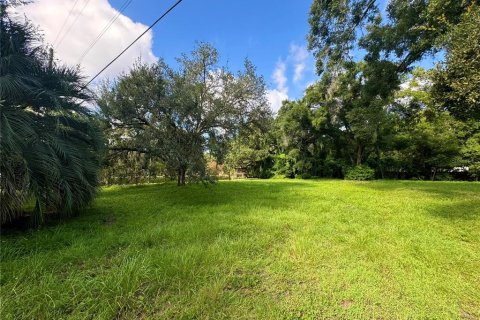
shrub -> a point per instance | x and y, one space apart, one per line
265 174
306 175
444 176
360 172
474 170
284 166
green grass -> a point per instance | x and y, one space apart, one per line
273 249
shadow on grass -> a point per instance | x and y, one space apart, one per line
119 209
463 198
449 189
246 192
463 210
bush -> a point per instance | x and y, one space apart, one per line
306 175
360 172
474 170
284 166
444 176
265 174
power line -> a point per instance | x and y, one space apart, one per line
104 30
74 21
65 21
131 44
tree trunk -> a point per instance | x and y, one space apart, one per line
377 149
181 176
359 155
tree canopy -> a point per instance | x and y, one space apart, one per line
457 81
178 115
407 31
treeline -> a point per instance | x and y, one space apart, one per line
410 137
319 136
377 117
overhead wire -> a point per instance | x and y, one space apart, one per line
104 30
73 23
65 21
133 42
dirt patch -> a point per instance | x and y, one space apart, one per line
465 315
346 303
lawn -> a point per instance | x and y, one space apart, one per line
271 249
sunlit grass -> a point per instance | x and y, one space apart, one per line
254 249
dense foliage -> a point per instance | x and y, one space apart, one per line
405 136
50 146
457 82
376 110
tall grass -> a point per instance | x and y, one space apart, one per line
254 249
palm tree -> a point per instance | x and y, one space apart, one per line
50 146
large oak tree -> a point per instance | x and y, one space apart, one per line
178 115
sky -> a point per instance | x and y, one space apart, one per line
271 34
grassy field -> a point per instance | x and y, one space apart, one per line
273 249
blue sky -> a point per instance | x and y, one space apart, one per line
267 32
262 31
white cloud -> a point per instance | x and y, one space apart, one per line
299 69
299 56
280 93
279 76
302 64
275 98
49 15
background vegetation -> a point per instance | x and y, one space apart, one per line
377 112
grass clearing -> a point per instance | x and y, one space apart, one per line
266 249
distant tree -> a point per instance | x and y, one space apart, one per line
426 140
132 167
350 110
251 150
471 153
178 115
456 84
50 146
433 144
296 139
